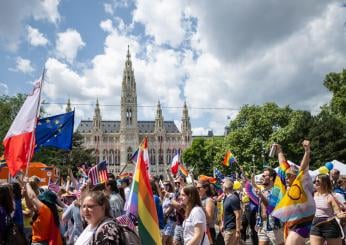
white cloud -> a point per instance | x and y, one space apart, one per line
15 12
48 10
162 19
108 8
35 37
24 65
107 25
68 44
4 88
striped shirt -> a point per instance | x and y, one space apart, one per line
323 207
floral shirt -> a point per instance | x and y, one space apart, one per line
107 234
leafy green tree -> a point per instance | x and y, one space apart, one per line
9 107
257 127
328 138
200 156
336 83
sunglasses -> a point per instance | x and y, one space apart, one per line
316 182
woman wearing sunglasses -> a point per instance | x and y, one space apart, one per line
324 226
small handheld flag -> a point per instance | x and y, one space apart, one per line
98 173
183 171
229 159
175 164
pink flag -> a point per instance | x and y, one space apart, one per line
175 164
19 141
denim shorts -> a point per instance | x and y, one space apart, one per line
168 230
327 230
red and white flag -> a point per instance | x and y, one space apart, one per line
19 141
175 164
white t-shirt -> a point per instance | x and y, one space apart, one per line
197 216
86 236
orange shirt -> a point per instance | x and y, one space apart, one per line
44 228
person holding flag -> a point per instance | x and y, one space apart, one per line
297 207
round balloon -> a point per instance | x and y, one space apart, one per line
323 170
236 185
329 165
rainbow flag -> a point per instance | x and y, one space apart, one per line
298 205
141 201
229 159
249 190
183 171
279 188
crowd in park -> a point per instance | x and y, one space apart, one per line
286 206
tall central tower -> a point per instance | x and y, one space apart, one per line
128 124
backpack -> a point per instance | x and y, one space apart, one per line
126 234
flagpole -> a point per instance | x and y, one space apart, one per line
123 169
37 115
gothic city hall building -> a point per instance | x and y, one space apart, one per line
116 141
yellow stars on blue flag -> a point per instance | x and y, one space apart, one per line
55 131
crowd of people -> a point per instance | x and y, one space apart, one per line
194 213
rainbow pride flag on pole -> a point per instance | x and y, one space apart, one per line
141 201
229 159
183 171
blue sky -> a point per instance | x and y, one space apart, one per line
217 56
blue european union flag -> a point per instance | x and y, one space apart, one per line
55 131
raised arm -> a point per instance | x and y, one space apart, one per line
170 178
73 179
306 158
31 199
281 156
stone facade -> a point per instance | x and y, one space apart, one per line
115 141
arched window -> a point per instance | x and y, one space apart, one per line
105 155
160 156
168 156
129 153
117 157
152 156
111 157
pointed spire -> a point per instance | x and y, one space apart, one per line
68 106
185 125
159 117
128 52
97 115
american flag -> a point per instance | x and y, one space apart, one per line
128 220
98 173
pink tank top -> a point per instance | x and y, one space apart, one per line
323 208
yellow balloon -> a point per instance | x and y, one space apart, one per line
323 170
236 185
245 198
